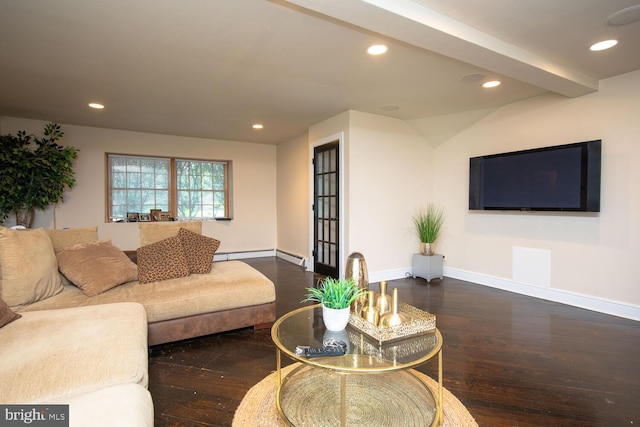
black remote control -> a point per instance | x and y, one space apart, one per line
325 351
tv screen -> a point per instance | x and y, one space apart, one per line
559 178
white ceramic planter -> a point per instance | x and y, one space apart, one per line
335 320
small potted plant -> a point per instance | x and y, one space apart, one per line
336 297
428 225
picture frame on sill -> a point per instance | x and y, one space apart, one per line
144 218
165 216
132 217
155 214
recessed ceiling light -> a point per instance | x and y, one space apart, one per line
377 49
625 16
96 105
390 107
472 78
492 83
603 45
258 126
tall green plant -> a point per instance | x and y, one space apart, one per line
34 173
429 223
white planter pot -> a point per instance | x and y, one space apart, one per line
335 320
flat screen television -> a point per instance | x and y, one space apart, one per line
558 178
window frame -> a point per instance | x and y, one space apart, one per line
173 184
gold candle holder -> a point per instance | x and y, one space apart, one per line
370 312
394 317
383 302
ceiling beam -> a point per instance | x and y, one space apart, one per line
417 25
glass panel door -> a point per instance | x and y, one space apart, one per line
326 209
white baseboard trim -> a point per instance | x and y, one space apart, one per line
399 273
294 259
228 256
600 305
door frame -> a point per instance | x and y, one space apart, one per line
339 137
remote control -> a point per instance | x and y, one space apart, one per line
325 351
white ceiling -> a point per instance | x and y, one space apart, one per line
212 68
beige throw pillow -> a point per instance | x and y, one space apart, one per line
96 267
199 250
161 261
28 267
152 232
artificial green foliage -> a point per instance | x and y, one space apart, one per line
429 223
335 293
34 173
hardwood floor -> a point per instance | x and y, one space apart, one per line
512 360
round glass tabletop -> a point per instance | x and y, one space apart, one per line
304 327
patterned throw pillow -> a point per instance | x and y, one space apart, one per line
152 232
199 250
6 315
161 261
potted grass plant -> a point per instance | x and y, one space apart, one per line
428 223
336 297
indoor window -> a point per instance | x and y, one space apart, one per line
185 188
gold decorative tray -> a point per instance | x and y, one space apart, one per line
420 322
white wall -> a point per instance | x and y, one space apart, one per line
593 257
254 183
293 198
390 178
387 179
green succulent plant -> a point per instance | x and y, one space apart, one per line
335 293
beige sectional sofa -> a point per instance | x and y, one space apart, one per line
93 359
83 341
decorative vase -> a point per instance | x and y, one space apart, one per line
427 248
394 317
383 301
335 319
370 312
356 269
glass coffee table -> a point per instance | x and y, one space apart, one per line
372 384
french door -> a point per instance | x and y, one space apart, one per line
326 210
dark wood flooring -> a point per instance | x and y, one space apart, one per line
512 360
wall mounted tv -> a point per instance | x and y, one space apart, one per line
559 178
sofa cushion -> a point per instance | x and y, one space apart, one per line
161 261
28 267
127 405
72 236
229 285
152 232
58 354
97 266
199 250
6 314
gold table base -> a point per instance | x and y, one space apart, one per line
314 396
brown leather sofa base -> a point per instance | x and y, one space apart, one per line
258 316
